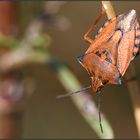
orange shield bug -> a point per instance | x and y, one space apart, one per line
109 55
115 46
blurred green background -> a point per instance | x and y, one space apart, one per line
48 117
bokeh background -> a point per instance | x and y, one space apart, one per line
48 117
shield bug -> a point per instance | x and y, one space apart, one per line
115 46
110 53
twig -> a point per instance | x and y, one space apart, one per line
134 91
108 9
132 85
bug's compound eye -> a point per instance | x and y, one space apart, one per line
105 82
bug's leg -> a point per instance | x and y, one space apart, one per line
86 37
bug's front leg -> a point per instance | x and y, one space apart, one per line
86 37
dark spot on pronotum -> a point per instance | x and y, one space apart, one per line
108 60
105 52
98 53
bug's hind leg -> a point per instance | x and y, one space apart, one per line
137 42
86 36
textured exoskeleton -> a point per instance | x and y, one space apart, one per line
115 46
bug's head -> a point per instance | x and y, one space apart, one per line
126 21
97 83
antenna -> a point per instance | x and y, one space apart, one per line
72 93
99 109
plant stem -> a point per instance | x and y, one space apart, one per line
134 91
108 9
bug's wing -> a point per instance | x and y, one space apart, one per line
125 51
104 34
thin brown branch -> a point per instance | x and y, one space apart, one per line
108 9
134 91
